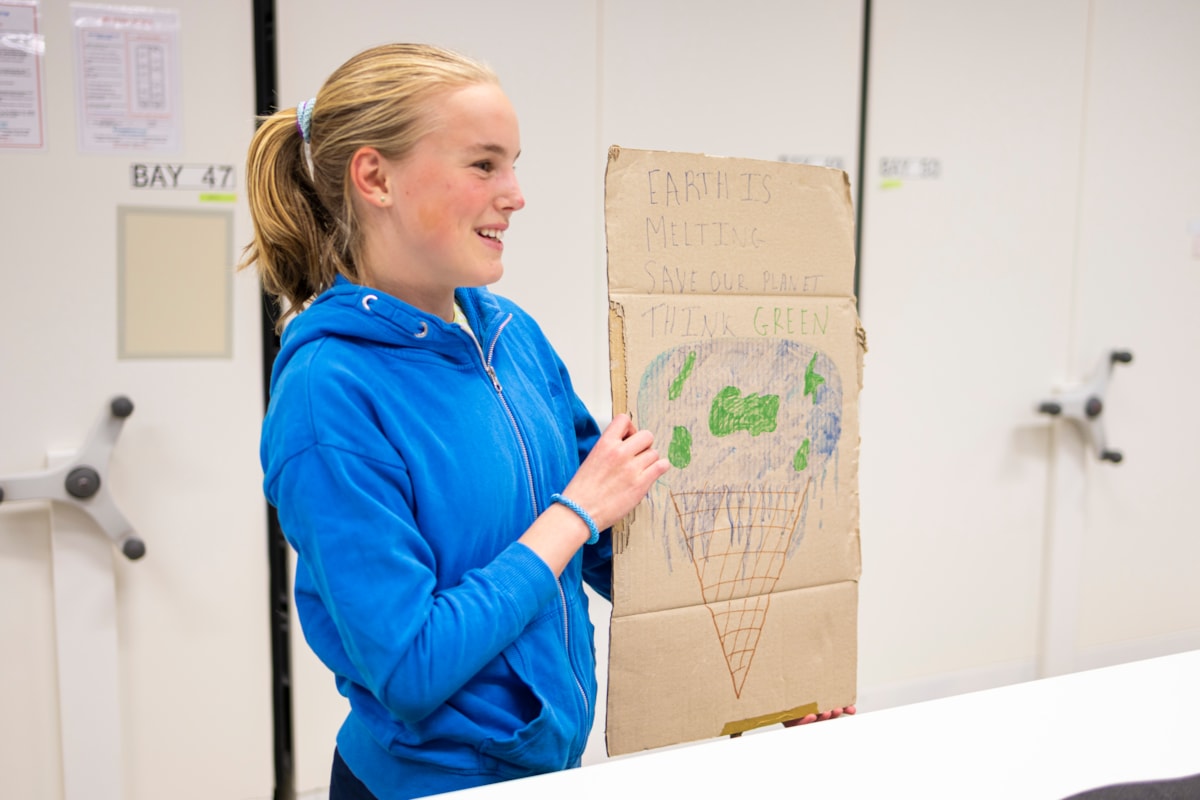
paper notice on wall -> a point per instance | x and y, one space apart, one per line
127 79
21 46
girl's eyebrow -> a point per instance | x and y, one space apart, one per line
496 149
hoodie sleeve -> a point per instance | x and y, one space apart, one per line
345 500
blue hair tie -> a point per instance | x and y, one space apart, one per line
304 113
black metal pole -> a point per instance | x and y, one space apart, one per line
862 150
279 601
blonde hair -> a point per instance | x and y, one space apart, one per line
305 229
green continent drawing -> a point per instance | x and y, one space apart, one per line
800 462
812 381
677 384
731 412
680 451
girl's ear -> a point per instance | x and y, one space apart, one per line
369 174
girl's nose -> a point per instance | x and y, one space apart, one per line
511 198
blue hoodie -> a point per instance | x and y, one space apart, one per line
405 460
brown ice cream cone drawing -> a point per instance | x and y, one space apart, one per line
744 462
738 540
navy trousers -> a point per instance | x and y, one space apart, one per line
344 785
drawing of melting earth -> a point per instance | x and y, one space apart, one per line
749 423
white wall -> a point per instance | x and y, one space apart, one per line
966 280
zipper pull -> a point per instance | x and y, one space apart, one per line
492 374
487 358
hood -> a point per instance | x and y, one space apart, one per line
351 311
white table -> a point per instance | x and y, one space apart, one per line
1044 739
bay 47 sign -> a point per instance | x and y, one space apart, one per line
188 177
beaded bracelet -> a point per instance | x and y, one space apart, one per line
583 515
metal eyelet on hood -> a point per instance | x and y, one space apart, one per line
367 300
421 334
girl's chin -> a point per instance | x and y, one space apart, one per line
487 278
494 274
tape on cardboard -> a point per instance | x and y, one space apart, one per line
776 718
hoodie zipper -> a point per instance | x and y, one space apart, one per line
562 595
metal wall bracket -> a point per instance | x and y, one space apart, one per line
81 483
1085 405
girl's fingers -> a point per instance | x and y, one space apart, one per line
621 426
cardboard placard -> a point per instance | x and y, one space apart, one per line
735 339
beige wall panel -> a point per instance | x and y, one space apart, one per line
1139 290
194 653
175 283
968 245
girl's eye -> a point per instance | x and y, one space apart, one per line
486 166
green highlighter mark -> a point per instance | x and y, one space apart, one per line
680 451
731 412
677 384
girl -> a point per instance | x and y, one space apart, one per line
445 490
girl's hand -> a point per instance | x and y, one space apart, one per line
831 714
617 473
612 480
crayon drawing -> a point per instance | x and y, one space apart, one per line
750 423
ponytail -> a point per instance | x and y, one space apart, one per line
294 244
